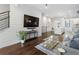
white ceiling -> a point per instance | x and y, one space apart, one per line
55 10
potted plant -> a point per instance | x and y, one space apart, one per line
22 35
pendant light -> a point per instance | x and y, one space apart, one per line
46 5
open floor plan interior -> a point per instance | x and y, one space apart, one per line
39 29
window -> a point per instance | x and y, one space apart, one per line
4 20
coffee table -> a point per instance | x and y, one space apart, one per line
69 51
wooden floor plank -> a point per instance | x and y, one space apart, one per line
27 49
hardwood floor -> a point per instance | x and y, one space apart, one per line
28 48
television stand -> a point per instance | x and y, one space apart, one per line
33 33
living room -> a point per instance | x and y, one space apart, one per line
53 19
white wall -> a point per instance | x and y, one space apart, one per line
46 23
4 7
21 10
9 36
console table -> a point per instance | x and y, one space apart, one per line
33 32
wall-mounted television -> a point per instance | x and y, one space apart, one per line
31 21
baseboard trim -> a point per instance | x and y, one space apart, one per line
10 44
13 43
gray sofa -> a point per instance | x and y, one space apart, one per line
75 42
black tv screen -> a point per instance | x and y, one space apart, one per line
31 21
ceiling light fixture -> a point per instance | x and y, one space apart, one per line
46 5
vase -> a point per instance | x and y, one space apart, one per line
22 43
